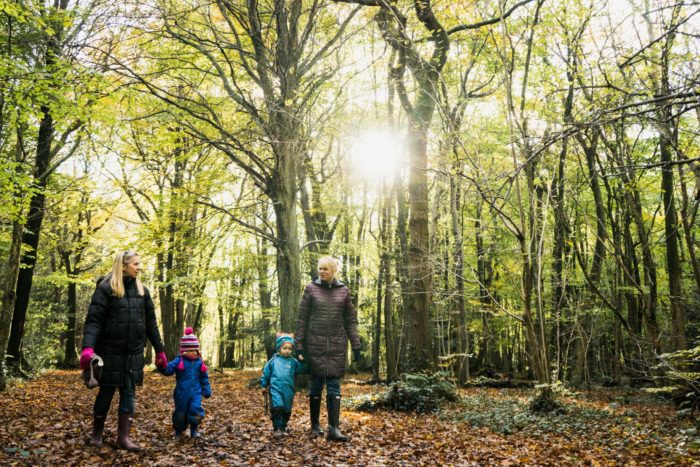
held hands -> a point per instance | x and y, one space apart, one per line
299 354
85 357
264 390
161 360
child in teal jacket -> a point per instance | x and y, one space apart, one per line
277 382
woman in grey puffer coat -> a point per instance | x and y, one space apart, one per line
327 320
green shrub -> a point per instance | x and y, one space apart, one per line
420 393
681 378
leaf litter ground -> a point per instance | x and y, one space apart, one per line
46 421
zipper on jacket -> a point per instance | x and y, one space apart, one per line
128 332
328 328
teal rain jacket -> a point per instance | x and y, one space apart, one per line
278 376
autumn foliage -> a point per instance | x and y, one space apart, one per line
47 421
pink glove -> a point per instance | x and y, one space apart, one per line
161 360
181 365
85 357
203 368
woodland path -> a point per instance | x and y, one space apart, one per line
46 422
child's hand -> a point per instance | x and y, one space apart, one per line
264 390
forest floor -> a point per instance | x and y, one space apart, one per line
46 421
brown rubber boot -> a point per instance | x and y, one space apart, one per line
98 427
123 429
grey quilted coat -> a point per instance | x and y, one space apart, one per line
327 320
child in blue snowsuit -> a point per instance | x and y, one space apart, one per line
192 384
278 381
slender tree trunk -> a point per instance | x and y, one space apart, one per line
7 293
385 270
458 259
673 260
30 238
70 359
377 335
687 231
483 271
402 266
221 349
673 265
265 297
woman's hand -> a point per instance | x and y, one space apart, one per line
85 357
161 360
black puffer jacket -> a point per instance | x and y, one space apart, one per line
117 328
327 320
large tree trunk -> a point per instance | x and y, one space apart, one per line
426 74
288 259
417 309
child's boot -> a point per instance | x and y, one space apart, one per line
193 432
98 427
178 436
285 421
333 406
123 429
277 422
315 412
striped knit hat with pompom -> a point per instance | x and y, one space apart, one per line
189 341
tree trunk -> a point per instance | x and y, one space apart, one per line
377 335
385 271
458 259
7 293
673 265
70 359
288 264
483 271
417 312
30 238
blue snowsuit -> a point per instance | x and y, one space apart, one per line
278 377
192 384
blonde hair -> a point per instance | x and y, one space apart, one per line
330 261
116 276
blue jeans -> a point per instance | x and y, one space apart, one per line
127 398
317 383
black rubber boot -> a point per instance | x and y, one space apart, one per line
123 429
285 422
333 406
315 412
98 427
277 416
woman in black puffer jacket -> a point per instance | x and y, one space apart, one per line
120 318
327 319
